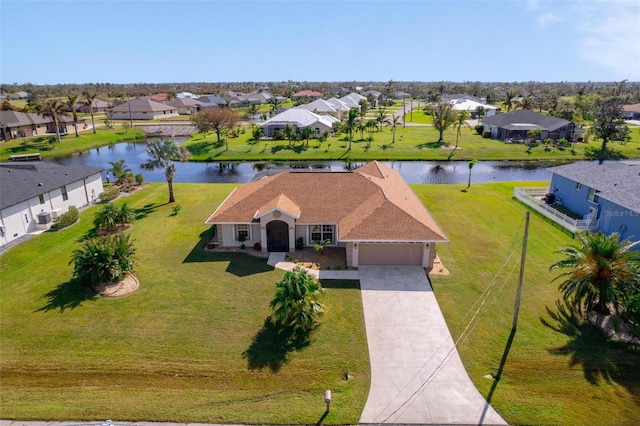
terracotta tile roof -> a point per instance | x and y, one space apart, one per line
371 203
282 203
307 93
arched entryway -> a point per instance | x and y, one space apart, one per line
277 236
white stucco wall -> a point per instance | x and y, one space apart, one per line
139 115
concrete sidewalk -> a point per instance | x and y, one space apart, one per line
416 373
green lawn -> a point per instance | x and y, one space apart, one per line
172 351
555 372
412 143
69 144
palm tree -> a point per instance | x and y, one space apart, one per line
306 132
54 109
371 126
604 273
381 117
289 133
162 153
119 170
253 110
350 123
275 105
461 121
471 164
90 97
71 103
508 99
296 300
394 121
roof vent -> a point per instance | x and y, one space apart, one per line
40 184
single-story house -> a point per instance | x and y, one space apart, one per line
18 95
398 94
211 101
34 193
307 94
186 106
19 124
183 95
98 106
159 97
608 193
370 211
298 118
338 91
471 107
143 109
373 93
631 112
338 105
516 124
352 100
321 107
255 97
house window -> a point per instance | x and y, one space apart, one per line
41 198
578 186
242 230
322 233
593 195
65 196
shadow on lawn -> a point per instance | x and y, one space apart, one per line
68 295
273 344
601 358
240 264
430 145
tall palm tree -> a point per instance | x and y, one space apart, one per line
603 274
55 110
461 121
161 156
306 132
289 132
508 99
252 110
350 124
296 300
71 103
90 97
394 121
381 117
275 105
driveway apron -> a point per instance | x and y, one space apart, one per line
416 373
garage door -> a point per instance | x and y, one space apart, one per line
390 254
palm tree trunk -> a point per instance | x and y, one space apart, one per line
93 123
55 123
75 126
172 199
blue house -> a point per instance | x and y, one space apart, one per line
607 193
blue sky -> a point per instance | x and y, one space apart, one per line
48 42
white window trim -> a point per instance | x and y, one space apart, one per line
235 231
578 186
335 232
595 194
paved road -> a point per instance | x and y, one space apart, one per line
416 373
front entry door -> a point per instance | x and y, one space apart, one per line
277 236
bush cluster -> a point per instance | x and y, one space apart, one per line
109 194
103 259
66 219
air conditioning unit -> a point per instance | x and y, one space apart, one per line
55 213
44 218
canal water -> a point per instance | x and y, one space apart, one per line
134 154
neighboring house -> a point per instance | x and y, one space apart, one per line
159 97
186 106
607 193
338 105
337 91
516 124
631 112
183 95
33 193
471 106
19 124
352 100
255 98
98 106
307 94
212 101
143 109
322 107
401 95
373 93
371 212
18 95
298 118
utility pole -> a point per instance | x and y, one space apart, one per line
516 309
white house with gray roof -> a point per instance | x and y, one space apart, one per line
607 193
298 118
33 193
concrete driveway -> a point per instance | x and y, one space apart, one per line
416 373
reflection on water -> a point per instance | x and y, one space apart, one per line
135 154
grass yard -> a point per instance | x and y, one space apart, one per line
412 143
555 372
69 144
188 346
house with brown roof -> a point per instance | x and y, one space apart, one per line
307 94
15 124
143 109
98 106
186 106
631 112
370 211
